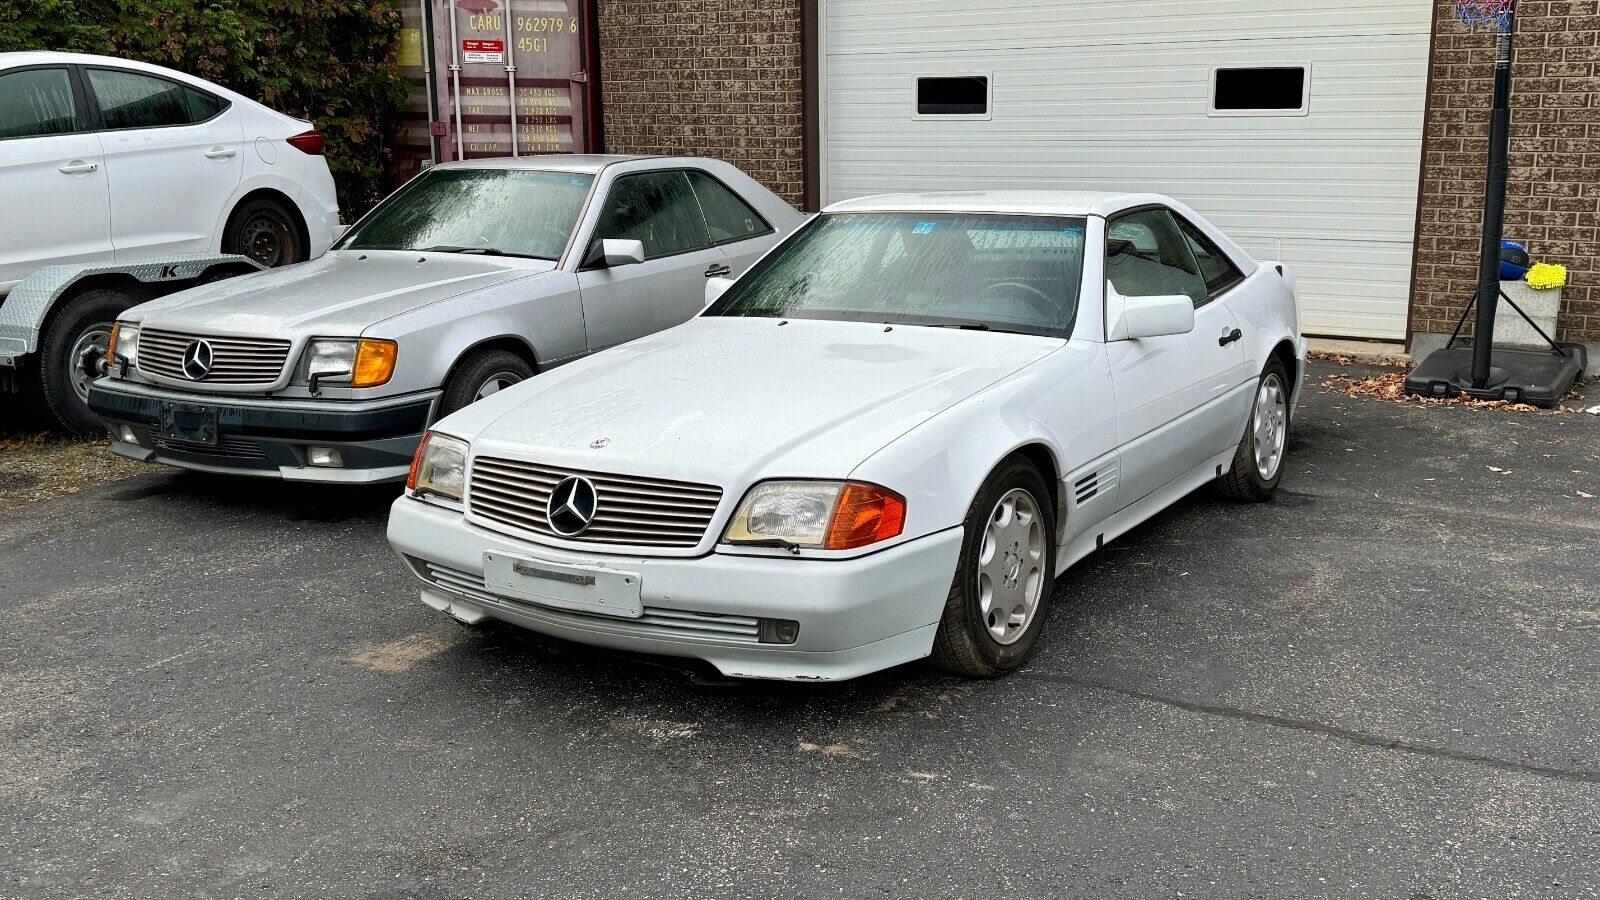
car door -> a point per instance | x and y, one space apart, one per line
53 176
174 157
659 210
1170 390
735 226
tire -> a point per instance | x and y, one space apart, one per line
1254 478
967 643
84 321
476 375
266 231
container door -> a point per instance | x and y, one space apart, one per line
510 77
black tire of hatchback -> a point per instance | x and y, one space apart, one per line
963 644
92 310
266 231
475 371
1243 481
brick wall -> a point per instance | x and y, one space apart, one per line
1553 202
707 78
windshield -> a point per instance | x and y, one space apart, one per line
981 271
496 212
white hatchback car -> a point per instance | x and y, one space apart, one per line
881 444
109 160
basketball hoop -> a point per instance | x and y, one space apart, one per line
1477 14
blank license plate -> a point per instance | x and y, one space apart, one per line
593 589
186 422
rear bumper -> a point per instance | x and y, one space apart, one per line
374 440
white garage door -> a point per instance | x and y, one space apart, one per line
1124 96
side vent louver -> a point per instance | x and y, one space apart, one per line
1093 484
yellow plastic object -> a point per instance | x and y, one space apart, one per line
374 362
1545 276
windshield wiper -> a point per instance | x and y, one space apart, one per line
480 251
964 326
778 543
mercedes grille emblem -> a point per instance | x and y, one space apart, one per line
197 360
572 506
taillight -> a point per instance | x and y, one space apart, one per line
308 142
865 514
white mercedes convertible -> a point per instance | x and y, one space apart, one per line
879 445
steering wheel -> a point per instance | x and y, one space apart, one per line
1041 302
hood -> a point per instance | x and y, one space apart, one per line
729 400
340 293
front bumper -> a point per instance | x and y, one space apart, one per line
374 439
856 615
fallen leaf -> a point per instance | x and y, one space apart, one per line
1586 495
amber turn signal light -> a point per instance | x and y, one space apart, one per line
374 362
865 514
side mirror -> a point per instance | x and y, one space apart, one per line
1148 317
716 287
610 252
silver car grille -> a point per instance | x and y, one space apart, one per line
644 511
656 622
236 362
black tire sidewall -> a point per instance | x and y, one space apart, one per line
471 373
90 308
1014 473
232 239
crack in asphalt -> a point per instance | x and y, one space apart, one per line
1575 776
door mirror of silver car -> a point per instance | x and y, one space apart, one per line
716 287
610 252
1148 317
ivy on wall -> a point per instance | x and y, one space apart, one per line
329 61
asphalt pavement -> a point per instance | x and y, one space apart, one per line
1386 683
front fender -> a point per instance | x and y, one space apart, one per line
1062 403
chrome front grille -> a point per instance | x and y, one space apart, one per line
236 362
655 623
643 511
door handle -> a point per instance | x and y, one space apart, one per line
221 153
78 167
1229 337
718 270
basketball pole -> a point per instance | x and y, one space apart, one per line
1494 205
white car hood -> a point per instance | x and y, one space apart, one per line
730 400
340 293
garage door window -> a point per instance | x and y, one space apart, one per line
953 96
36 102
1262 91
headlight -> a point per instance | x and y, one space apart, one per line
826 515
124 342
440 466
364 362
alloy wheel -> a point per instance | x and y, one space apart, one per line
1270 425
1011 576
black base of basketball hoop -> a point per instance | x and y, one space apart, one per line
1539 377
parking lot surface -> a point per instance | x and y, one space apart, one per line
1386 683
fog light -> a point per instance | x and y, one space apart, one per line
326 457
127 435
777 631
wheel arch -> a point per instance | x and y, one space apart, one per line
138 291
296 217
1284 352
511 343
1042 457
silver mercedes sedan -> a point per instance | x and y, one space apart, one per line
471 278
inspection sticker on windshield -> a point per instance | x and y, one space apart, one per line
923 228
